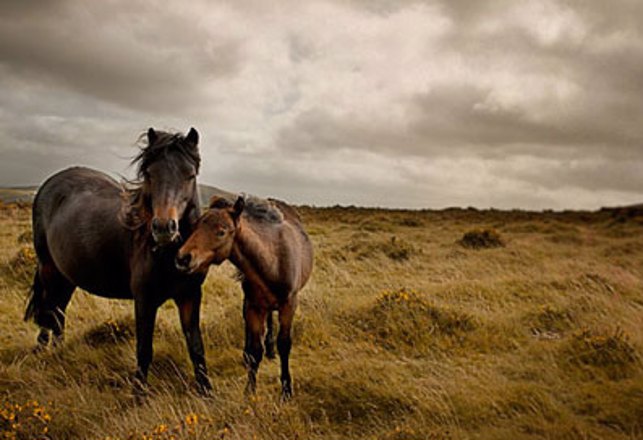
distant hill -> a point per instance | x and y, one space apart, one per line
206 192
17 194
27 193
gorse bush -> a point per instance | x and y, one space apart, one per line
28 420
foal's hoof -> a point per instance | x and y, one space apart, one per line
39 348
250 390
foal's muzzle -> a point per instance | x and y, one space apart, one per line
182 262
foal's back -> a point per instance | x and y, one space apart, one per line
287 243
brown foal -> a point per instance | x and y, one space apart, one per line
266 241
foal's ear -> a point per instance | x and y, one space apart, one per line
237 209
151 136
192 137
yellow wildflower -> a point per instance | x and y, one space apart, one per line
192 419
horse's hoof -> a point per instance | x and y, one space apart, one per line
286 392
140 390
270 351
204 388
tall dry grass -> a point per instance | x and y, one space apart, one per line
402 333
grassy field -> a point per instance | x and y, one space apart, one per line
403 333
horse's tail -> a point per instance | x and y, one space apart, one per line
36 298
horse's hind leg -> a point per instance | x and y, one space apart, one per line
284 344
269 341
54 293
255 318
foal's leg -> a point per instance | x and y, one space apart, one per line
255 318
284 343
269 341
189 312
145 312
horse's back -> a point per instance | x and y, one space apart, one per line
76 225
67 185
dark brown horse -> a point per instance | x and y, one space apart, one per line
92 233
275 257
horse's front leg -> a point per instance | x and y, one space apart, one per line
145 312
189 313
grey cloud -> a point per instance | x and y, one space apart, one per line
279 96
112 52
591 175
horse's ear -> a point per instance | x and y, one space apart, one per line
151 136
237 209
193 137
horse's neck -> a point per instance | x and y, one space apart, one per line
251 255
190 217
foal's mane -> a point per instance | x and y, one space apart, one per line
255 209
135 210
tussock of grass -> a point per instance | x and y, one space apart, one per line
364 246
610 354
550 321
376 224
481 239
410 221
404 320
111 332
22 265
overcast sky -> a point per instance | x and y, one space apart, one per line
506 104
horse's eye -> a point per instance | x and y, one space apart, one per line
192 177
220 232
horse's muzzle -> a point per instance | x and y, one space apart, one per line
165 232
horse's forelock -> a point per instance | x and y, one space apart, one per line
162 145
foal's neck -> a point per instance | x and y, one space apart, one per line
249 253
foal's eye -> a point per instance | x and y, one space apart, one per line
220 232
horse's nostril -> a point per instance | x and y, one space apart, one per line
172 226
156 224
